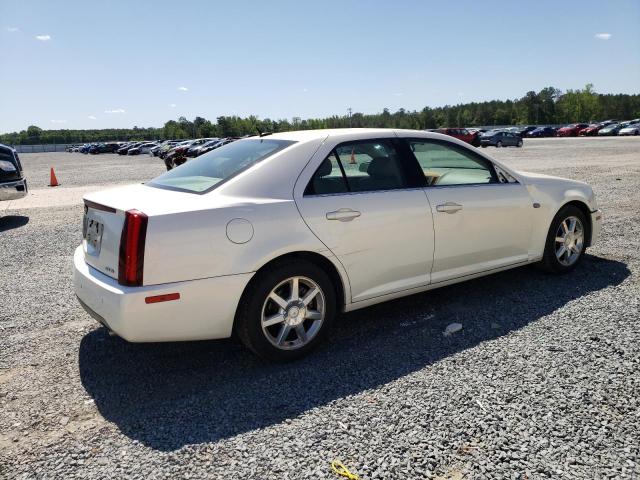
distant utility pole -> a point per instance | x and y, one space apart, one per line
349 110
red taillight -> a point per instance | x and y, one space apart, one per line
131 262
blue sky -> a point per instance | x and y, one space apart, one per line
99 64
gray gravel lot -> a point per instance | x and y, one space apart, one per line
542 382
78 169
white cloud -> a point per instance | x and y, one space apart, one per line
43 38
116 110
172 105
12 29
58 121
183 89
398 94
603 36
305 90
92 117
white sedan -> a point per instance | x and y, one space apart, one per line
633 129
269 237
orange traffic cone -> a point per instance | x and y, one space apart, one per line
54 181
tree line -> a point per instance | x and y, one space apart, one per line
549 106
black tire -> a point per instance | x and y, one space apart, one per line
520 143
248 321
550 263
498 144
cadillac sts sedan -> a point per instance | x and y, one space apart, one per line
268 238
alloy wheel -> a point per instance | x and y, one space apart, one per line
569 241
293 313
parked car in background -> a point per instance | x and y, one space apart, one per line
113 147
610 130
142 148
155 151
192 151
463 134
203 251
633 129
197 150
500 138
542 132
166 148
96 148
13 184
523 131
176 156
126 147
571 130
592 130
213 145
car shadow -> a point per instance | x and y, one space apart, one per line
12 221
175 394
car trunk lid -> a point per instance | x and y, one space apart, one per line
105 214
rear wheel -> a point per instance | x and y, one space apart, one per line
519 143
566 241
286 311
499 144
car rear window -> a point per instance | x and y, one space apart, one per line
204 173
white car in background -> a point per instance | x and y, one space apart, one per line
633 129
271 236
140 149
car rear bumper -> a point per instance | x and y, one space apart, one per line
205 310
13 190
596 226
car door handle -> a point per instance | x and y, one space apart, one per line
344 215
449 207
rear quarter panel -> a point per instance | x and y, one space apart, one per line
192 245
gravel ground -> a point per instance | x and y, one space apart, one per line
542 382
78 169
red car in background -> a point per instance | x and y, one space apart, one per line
461 134
572 130
591 130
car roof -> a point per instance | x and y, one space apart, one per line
346 134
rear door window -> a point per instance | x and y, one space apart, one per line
364 166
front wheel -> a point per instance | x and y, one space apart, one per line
566 241
499 144
286 311
519 144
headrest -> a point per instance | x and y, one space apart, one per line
325 168
382 167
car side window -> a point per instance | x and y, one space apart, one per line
328 178
359 167
371 166
445 164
